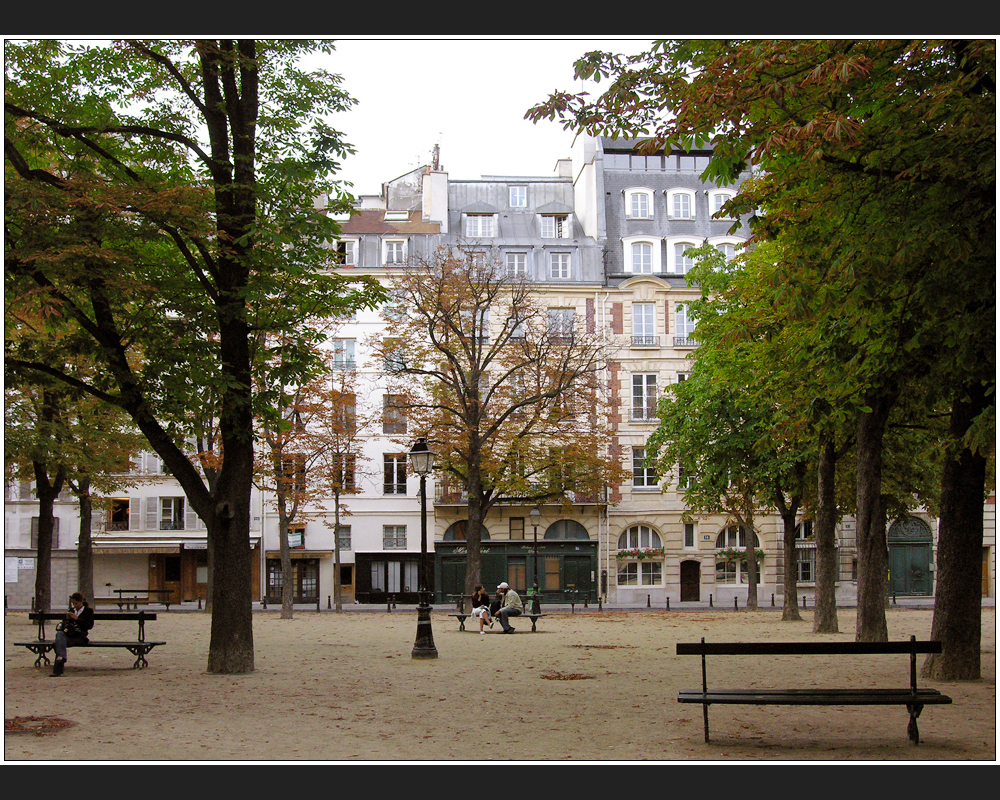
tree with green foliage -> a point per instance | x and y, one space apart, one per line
875 168
161 196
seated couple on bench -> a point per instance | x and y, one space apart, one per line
508 604
72 631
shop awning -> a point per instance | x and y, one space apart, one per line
301 554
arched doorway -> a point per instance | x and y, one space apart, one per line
910 544
690 581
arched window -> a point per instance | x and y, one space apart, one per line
640 568
733 570
566 529
639 536
734 536
456 532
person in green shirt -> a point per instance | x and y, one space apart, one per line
510 607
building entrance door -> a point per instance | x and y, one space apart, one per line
576 574
690 581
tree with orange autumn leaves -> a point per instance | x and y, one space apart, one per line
510 395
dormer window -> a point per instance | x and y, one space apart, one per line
347 252
555 226
642 255
638 203
518 196
394 252
680 203
679 259
480 226
717 198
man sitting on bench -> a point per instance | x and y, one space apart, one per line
72 631
510 607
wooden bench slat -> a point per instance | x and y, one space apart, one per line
803 648
822 697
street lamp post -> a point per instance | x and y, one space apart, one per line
535 516
422 459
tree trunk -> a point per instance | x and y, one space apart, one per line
825 530
287 575
47 492
753 573
85 547
958 595
873 553
790 609
473 530
338 601
231 643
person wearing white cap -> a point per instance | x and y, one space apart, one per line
510 607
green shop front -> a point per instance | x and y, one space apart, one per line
566 560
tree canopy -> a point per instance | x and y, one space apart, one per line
874 172
160 200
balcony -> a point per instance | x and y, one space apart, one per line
450 494
645 340
685 341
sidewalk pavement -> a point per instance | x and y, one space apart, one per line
192 606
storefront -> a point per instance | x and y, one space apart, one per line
178 566
567 569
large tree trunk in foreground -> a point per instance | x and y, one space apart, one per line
873 552
47 492
825 529
958 595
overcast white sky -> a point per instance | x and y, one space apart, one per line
468 95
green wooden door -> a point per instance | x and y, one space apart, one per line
909 570
577 573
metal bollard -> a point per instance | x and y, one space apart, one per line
805 601
647 602
263 603
388 605
668 602
329 603
710 604
736 604
199 602
600 606
772 599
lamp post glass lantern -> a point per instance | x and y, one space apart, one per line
536 515
422 460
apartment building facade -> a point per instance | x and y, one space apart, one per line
604 239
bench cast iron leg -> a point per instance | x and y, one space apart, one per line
139 651
461 623
40 650
704 712
911 728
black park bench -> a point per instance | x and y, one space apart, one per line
913 698
138 647
533 617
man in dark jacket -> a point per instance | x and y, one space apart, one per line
75 627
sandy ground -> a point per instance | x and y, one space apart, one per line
588 686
